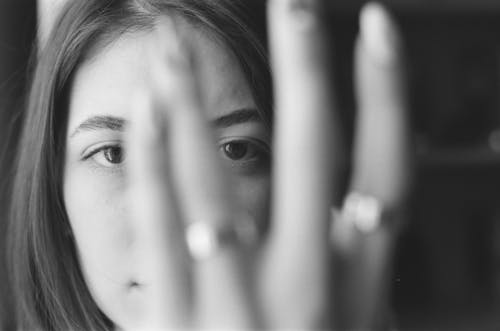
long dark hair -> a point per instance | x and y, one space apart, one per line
47 281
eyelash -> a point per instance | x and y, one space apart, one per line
257 163
101 148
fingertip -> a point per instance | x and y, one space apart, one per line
379 33
169 43
171 58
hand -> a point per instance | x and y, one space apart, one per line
382 169
290 277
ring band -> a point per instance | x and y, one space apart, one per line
206 239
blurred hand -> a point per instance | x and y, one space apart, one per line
48 11
287 282
382 169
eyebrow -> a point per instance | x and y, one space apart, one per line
239 116
100 123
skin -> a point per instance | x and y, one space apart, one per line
176 176
95 188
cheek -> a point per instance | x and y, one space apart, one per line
96 207
254 196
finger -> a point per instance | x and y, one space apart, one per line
362 278
48 11
381 157
221 290
306 142
381 169
162 256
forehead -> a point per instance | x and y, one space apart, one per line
104 84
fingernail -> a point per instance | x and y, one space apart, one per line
170 46
305 12
379 33
305 6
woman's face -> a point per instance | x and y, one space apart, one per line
95 175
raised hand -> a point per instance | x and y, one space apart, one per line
364 244
203 260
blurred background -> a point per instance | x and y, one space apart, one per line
447 268
17 32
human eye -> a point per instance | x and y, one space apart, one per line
106 155
246 155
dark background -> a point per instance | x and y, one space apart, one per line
447 272
17 30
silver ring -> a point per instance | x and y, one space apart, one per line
364 211
207 239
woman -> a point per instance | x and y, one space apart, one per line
174 233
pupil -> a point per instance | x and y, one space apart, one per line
236 151
114 155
